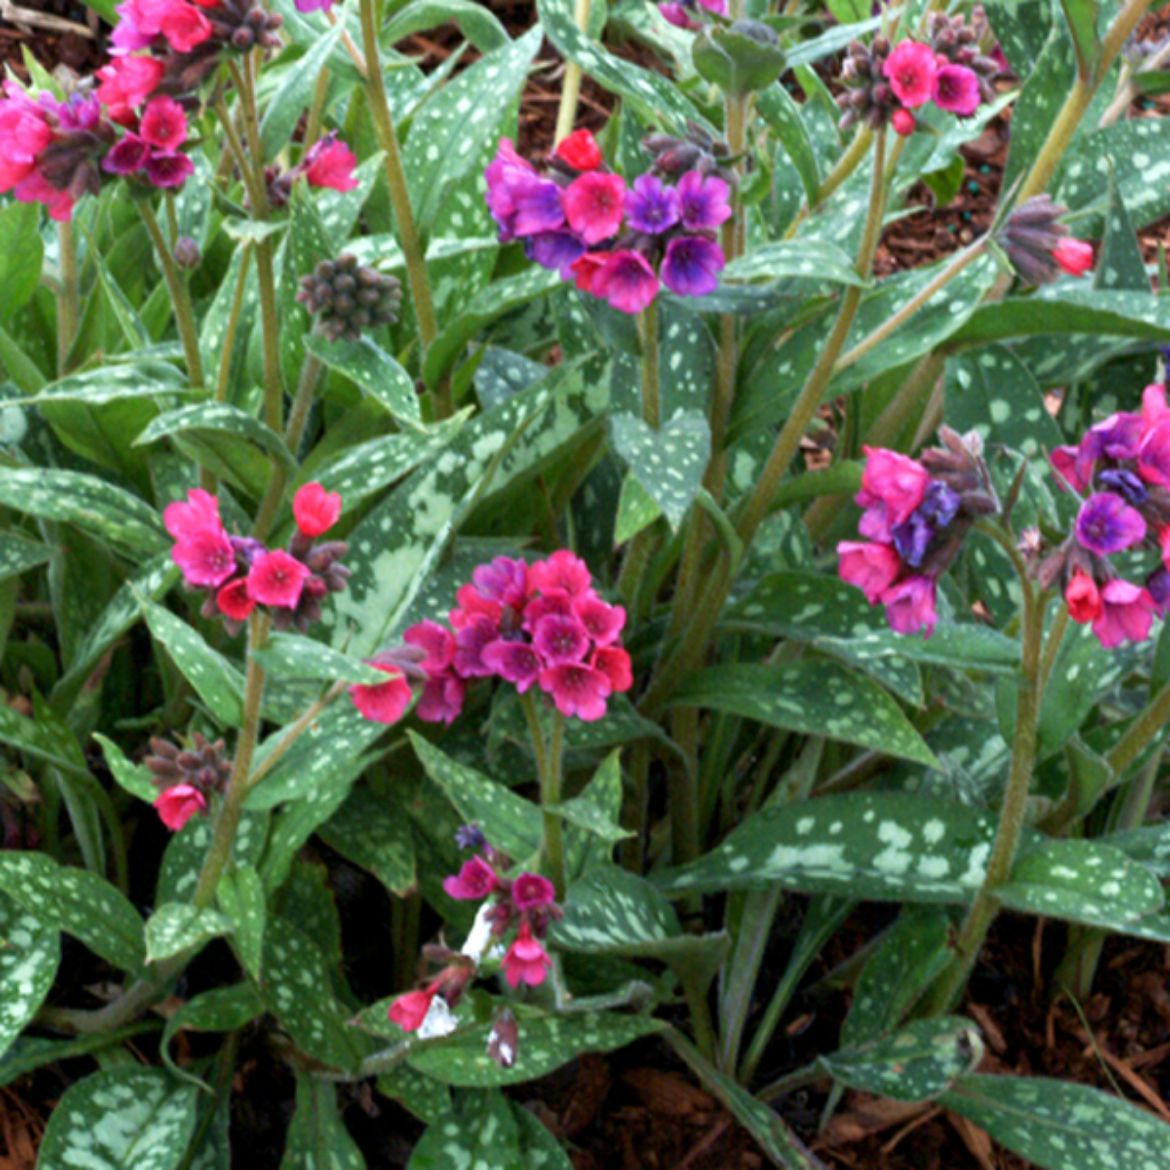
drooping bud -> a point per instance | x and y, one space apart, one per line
1030 235
348 298
187 253
203 765
696 151
866 96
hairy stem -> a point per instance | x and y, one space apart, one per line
571 85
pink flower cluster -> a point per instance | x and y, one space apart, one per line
526 903
682 13
617 242
239 573
918 75
531 625
1121 471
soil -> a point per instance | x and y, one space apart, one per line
639 1109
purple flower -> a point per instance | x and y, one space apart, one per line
169 168
504 580
521 202
1127 483
913 538
555 250
703 201
956 89
651 207
626 281
1107 524
692 265
1117 437
126 156
560 640
515 662
470 836
1158 587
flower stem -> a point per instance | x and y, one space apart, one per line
416 267
548 755
949 986
69 297
571 85
1142 731
648 341
180 296
233 323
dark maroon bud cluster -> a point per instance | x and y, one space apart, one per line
348 298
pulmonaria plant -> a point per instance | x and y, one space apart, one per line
187 777
620 243
540 625
1121 471
523 907
238 573
916 513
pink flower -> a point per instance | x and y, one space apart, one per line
470 643
315 510
1074 256
580 151
594 204
474 881
577 689
126 82
184 26
1154 407
233 600
24 133
562 570
437 641
163 124
614 663
408 1011
585 269
382 702
503 580
910 70
903 122
36 188
626 281
178 804
1067 463
515 662
1153 458
603 622
910 606
873 568
895 481
526 960
956 90
206 557
551 601
276 578
1082 597
1127 612
126 156
184 517
560 640
330 163
167 169
441 700
531 890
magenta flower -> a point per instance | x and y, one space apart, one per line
521 202
692 265
562 570
910 606
515 662
1082 597
178 804
910 69
893 481
577 689
614 663
503 580
603 622
531 890
315 510
956 90
441 700
652 207
185 517
24 133
163 124
526 960
409 1010
474 881
382 702
1107 524
436 641
593 204
873 568
1127 612
182 25
560 640
1153 457
1154 407
168 169
126 82
205 556
276 578
330 163
1067 463
471 641
126 156
626 281
704 201
1073 256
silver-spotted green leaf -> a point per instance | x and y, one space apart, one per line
18 555
478 1133
511 823
222 1009
423 1096
783 114
106 512
133 778
187 850
118 1119
295 88
502 373
296 987
892 846
395 546
539 1150
1058 1125
1082 881
475 22
651 95
32 1052
211 419
179 926
908 957
243 901
824 610
917 1063
215 680
374 834
317 1137
1119 262
21 255
288 656
816 697
29 954
636 509
544 1043
108 383
812 260
1148 845
373 371
54 745
77 902
669 462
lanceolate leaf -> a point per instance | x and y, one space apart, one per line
216 418
134 778
478 1132
289 656
817 697
317 1137
811 260
179 926
18 555
669 462
121 1118
374 371
29 955
1061 1126
374 834
222 1009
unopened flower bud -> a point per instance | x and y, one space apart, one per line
187 254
